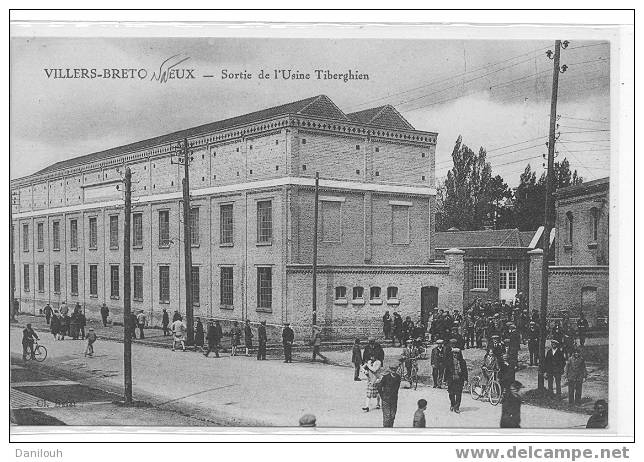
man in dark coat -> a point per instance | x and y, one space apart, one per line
511 407
533 343
165 321
198 334
582 329
388 389
386 325
213 337
356 359
74 325
438 363
456 376
287 342
398 329
262 339
553 365
105 312
460 341
514 345
48 311
374 348
408 328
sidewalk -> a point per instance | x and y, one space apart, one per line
244 391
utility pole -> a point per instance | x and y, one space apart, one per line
315 249
550 182
127 309
184 158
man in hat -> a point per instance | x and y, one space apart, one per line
533 343
374 348
438 363
455 335
316 342
553 365
456 376
105 312
497 347
408 328
388 389
582 329
576 373
511 407
262 339
387 324
287 342
213 337
48 312
514 345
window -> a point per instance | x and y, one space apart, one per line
164 284
41 278
164 228
114 232
400 224
137 230
358 293
264 222
568 228
374 293
25 277
194 280
392 293
480 275
93 233
226 286
114 281
40 236
93 280
138 283
74 279
340 293
56 279
264 288
226 224
194 226
25 237
594 223
508 276
73 234
331 221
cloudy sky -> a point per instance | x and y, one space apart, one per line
496 94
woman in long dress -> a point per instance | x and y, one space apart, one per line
373 370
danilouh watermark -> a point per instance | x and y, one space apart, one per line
39 453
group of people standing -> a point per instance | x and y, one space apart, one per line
62 324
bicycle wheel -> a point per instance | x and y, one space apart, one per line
476 390
40 353
494 393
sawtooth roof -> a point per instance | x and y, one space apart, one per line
383 116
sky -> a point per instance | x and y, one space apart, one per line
495 94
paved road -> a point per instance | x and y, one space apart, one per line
244 391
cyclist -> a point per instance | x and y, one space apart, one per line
490 366
28 336
408 355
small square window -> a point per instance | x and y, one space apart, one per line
237 173
377 149
377 173
423 154
203 156
251 171
277 142
203 178
237 149
251 147
214 154
423 177
357 147
214 177
304 168
357 172
303 140
277 167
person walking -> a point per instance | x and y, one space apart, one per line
356 359
582 329
55 325
386 325
262 339
599 418
28 337
248 337
91 339
48 311
373 370
456 375
199 335
437 362
141 322
213 337
388 387
419 415
165 322
576 374
105 312
178 334
553 365
235 338
316 342
287 342
511 407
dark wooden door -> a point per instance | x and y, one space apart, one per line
428 301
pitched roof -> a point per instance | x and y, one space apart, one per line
383 116
587 187
512 238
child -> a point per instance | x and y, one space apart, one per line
91 338
419 415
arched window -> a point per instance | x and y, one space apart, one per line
569 228
594 223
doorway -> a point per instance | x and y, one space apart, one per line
428 301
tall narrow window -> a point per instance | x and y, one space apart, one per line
400 224
93 233
138 283
114 231
264 288
93 280
164 284
164 228
264 221
331 222
25 277
114 281
25 237
41 278
137 230
73 234
569 231
194 280
74 279
226 286
226 224
480 275
594 223
194 226
56 279
40 236
55 234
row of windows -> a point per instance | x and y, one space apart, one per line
507 275
226 286
358 293
264 229
594 225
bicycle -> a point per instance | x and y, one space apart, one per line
492 390
40 353
412 376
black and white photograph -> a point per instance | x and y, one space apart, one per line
352 229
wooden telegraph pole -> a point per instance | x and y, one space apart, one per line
315 249
187 243
127 308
